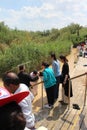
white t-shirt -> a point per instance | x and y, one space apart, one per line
26 105
26 128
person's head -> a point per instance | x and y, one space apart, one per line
45 65
11 81
35 72
11 116
53 56
21 68
63 59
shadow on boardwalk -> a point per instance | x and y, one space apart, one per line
50 114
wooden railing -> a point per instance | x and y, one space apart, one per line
85 88
41 82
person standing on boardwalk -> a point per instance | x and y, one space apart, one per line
12 84
49 83
34 89
25 77
65 80
56 69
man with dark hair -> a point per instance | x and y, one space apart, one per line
12 83
25 77
11 116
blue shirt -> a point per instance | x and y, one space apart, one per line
56 68
49 77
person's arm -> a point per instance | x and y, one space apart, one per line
26 106
45 77
54 67
66 73
34 78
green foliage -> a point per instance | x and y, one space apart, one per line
31 48
32 53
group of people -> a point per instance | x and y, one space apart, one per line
82 49
52 77
15 84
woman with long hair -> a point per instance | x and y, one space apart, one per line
65 80
57 73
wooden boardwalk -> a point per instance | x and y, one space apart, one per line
60 117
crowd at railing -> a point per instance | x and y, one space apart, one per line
51 78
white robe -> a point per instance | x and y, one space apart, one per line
26 105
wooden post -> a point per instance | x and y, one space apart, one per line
42 95
42 92
69 94
85 91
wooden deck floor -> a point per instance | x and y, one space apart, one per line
62 118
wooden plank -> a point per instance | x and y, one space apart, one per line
59 124
84 121
68 120
75 120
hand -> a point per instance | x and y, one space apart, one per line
64 82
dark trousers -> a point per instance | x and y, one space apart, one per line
56 92
50 95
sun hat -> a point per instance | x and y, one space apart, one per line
6 97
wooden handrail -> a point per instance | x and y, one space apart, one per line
36 84
69 79
69 88
85 88
78 76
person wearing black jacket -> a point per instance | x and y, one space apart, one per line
25 77
65 79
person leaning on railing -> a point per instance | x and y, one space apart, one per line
49 84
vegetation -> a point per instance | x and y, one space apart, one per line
31 48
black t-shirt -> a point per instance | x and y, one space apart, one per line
26 78
65 69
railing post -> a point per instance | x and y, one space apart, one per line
85 91
42 93
69 94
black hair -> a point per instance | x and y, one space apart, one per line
63 58
35 72
21 67
11 117
53 56
45 64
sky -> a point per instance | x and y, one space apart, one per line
40 15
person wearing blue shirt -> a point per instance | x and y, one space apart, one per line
49 83
56 69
